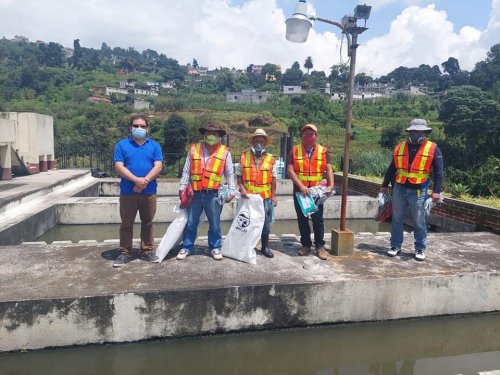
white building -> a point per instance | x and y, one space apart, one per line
26 143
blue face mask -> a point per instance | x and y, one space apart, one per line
139 133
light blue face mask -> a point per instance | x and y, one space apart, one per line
139 133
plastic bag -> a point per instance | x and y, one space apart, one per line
306 204
429 204
173 235
223 193
319 193
385 207
245 230
187 197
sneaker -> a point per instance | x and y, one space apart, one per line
216 254
394 251
150 257
183 254
321 253
304 251
419 255
121 260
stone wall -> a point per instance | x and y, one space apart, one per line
468 214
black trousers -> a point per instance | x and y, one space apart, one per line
305 229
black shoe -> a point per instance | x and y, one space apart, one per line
121 260
264 240
150 257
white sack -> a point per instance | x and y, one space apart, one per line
173 235
245 230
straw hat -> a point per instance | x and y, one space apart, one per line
260 133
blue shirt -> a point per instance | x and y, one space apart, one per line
139 160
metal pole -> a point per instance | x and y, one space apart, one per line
352 52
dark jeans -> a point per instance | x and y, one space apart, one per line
305 230
129 205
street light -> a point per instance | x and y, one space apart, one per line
297 30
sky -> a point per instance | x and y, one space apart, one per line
237 33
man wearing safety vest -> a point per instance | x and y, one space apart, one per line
207 164
413 160
308 164
256 174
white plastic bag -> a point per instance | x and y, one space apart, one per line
245 230
173 235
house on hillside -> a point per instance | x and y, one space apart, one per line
290 90
249 96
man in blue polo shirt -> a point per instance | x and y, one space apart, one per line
138 160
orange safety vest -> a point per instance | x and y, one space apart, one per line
257 180
309 171
419 170
207 175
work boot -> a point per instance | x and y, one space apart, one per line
264 240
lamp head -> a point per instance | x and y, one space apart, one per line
299 24
362 12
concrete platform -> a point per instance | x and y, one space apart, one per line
69 294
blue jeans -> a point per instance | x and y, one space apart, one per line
207 202
266 230
403 199
305 229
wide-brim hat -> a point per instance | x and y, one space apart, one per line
212 126
309 126
260 133
418 125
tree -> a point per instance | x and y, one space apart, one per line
487 73
472 127
293 76
195 64
174 138
308 64
451 66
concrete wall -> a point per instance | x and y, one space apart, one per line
105 210
7 138
33 138
34 324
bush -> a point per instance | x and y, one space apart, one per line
372 163
486 180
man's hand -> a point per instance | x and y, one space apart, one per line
436 197
243 192
304 190
230 198
330 189
382 190
142 182
274 200
137 189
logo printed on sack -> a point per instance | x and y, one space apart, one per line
242 221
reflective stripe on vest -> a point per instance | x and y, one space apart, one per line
420 167
257 181
207 175
309 171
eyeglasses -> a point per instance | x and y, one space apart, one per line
140 126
